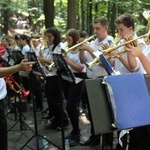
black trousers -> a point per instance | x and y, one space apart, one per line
3 128
36 86
72 93
54 98
140 138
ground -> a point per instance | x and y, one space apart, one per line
23 136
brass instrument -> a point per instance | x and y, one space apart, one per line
106 52
75 47
96 60
13 85
51 66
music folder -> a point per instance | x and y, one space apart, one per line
37 68
132 99
61 65
106 65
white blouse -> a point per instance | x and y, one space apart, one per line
3 91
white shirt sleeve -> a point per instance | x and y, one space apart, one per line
3 91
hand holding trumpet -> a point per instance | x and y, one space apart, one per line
134 51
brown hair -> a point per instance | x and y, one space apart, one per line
125 19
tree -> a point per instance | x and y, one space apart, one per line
5 14
72 14
48 12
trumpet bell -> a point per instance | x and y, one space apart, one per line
89 66
24 94
96 61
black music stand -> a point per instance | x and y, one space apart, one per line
17 56
99 101
37 68
18 113
63 73
23 125
38 71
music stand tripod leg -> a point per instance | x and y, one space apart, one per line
36 135
23 125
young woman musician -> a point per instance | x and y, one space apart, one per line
52 88
25 47
72 91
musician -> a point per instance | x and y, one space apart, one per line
25 47
100 27
84 35
143 56
125 25
6 44
72 91
23 66
36 83
52 87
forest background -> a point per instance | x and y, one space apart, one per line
33 16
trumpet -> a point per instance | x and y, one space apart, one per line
51 66
13 85
96 60
75 47
105 52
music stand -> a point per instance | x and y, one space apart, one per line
37 68
38 71
17 111
63 73
17 56
98 100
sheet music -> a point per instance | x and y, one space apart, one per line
37 69
17 56
67 73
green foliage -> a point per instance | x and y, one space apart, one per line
110 9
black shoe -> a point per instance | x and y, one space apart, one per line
72 134
65 125
92 141
74 141
107 147
74 138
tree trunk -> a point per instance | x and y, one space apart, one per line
49 13
72 14
90 28
5 14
